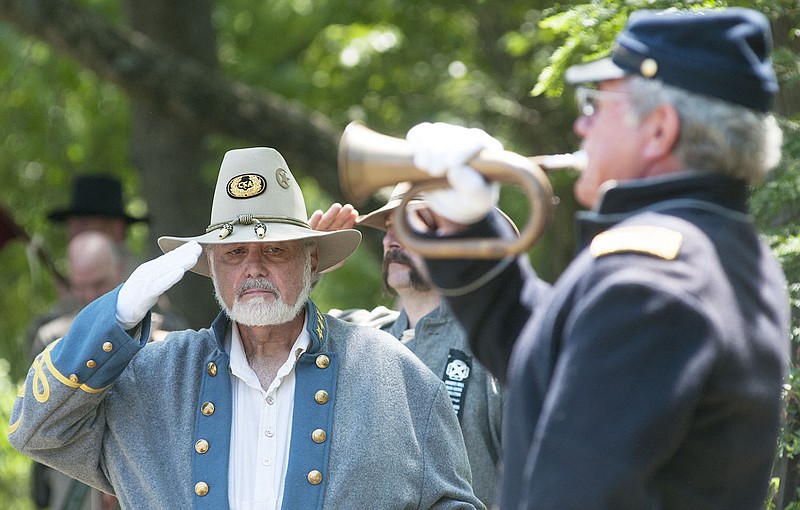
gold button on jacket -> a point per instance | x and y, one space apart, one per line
207 408
201 446
201 488
314 477
319 436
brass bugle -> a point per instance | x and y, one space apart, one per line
369 161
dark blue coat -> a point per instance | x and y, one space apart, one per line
649 376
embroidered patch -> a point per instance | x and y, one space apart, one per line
657 241
456 377
246 186
320 329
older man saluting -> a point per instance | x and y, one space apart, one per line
276 405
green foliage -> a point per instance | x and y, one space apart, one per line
587 31
15 468
775 205
58 120
390 63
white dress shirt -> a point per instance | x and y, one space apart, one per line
261 429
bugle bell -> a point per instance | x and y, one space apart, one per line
369 161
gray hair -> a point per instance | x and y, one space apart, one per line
715 136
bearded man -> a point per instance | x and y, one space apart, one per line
276 405
429 329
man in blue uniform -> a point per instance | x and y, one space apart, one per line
649 376
275 406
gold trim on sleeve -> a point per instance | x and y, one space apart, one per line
44 360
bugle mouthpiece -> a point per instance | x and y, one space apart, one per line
576 160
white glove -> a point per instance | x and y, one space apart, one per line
147 282
441 149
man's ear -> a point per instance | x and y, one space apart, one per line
208 252
315 258
663 126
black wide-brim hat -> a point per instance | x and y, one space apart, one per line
721 53
96 195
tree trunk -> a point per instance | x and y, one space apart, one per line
169 152
784 31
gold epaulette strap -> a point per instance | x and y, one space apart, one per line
656 241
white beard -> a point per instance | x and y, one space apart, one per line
259 311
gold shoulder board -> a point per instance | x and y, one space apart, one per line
657 241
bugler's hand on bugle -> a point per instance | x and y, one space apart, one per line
443 149
461 193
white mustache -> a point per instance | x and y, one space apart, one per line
258 283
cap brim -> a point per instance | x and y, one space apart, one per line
598 70
377 218
334 247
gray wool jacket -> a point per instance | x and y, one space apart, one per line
441 343
151 422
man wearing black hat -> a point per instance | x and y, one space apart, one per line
649 375
96 204
98 260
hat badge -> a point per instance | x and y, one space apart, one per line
282 176
246 186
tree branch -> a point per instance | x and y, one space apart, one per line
181 87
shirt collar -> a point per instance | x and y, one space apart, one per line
631 196
241 368
675 190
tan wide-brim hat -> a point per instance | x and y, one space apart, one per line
258 200
377 218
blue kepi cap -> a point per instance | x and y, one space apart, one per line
722 53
